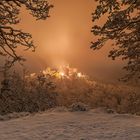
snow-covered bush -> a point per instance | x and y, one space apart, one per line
26 94
78 106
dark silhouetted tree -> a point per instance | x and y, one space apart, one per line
11 38
123 28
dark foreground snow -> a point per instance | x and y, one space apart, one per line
62 125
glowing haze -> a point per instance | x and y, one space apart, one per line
65 39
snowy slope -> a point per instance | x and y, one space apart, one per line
55 125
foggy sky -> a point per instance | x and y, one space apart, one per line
65 38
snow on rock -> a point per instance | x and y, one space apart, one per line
64 125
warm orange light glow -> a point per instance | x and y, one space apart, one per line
65 38
62 74
79 74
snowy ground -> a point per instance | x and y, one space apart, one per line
56 125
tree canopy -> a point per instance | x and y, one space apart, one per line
123 28
11 38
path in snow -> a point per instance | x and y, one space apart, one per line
54 125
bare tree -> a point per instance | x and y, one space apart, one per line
123 28
11 38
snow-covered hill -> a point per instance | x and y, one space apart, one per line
95 124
